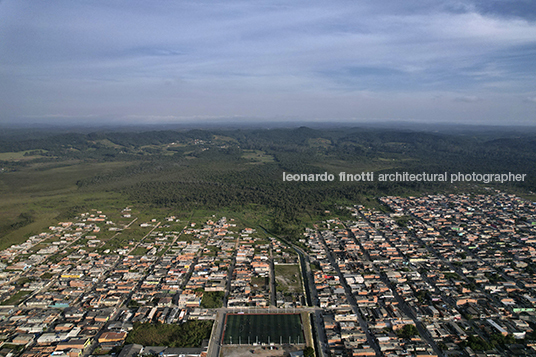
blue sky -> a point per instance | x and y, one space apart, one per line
171 61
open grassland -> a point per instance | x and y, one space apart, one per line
33 198
19 156
50 179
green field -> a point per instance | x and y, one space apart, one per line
288 278
16 299
265 328
47 193
257 156
19 155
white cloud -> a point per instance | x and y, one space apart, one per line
468 99
122 57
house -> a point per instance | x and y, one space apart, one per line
23 339
131 350
112 337
78 343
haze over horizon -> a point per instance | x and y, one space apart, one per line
102 62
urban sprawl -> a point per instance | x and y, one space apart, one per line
439 275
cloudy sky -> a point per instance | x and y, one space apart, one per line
462 61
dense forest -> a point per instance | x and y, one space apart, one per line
240 168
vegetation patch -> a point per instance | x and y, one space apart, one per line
212 299
408 331
16 298
189 334
21 155
257 156
288 278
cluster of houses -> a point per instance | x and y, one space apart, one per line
435 275
478 275
250 274
28 259
76 289
327 282
63 292
66 332
356 299
460 268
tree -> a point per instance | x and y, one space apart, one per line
408 331
477 343
308 352
212 299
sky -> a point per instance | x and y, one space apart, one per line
132 61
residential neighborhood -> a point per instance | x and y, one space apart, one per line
438 275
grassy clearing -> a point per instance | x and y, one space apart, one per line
48 192
127 239
260 284
109 144
45 180
288 278
252 216
139 251
16 298
200 216
257 156
19 156
49 211
225 139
